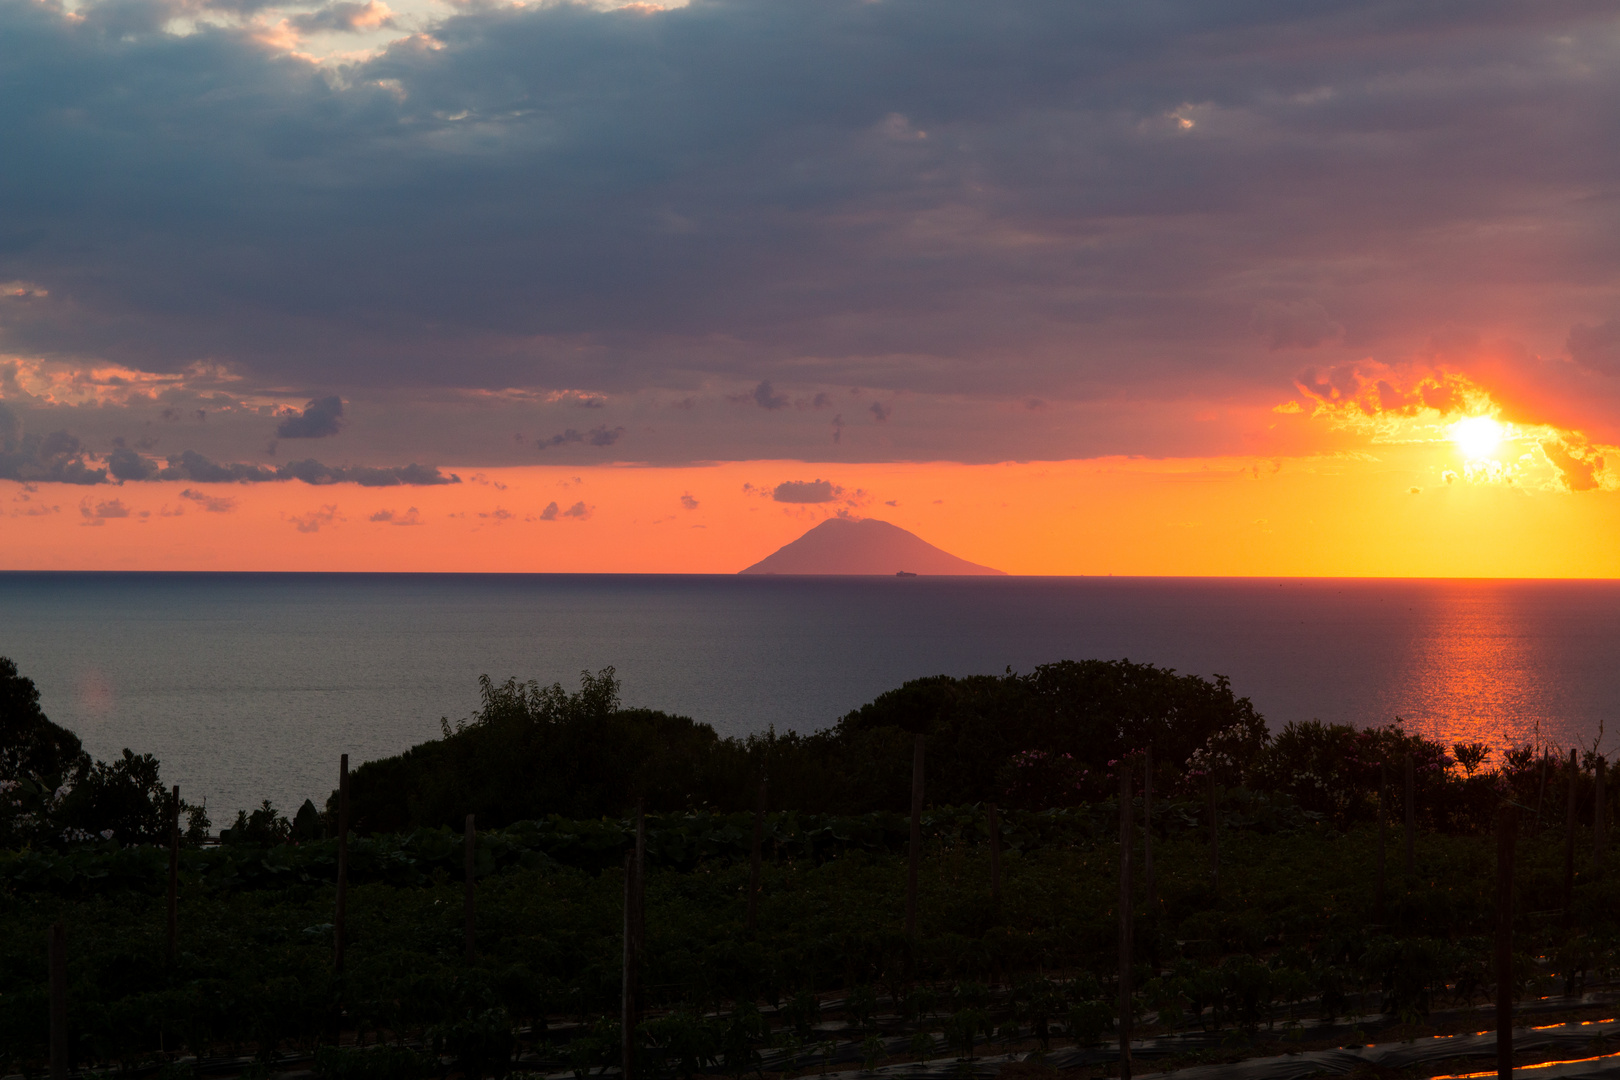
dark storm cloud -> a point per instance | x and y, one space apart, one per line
947 197
320 418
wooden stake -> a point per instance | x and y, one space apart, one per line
1383 788
916 836
470 846
1541 788
627 1006
1506 830
1125 770
995 861
1569 838
343 864
174 873
1411 814
59 1017
1214 836
1600 824
1147 829
630 1011
753 871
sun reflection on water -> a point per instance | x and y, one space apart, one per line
1480 671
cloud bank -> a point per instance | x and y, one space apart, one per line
716 220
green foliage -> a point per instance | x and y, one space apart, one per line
53 794
687 1040
255 958
124 798
534 750
871 1052
1290 925
861 1006
31 747
1088 1019
1471 755
263 828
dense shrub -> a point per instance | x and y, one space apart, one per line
52 792
534 750
1048 738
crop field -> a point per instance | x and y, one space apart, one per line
1292 933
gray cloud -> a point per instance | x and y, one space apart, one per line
805 491
1596 347
190 465
579 512
1295 324
213 504
320 418
62 458
965 201
597 436
103 510
126 464
55 458
767 398
341 17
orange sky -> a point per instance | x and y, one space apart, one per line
1382 510
1220 279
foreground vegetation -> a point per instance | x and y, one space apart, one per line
1294 929
1293 933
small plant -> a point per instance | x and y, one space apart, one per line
871 1052
860 1006
802 1013
687 1038
922 1002
1036 1002
1088 1020
826 1048
1470 755
745 1030
596 1048
963 1030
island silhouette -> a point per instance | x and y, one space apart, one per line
866 546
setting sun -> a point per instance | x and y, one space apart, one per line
1477 437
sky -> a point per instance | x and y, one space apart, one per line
1195 287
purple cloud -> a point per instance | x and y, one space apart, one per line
1113 210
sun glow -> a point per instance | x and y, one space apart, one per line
1478 437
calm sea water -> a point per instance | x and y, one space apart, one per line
249 686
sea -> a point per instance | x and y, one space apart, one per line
249 686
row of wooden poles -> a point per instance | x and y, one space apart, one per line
1571 821
634 910
1507 825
